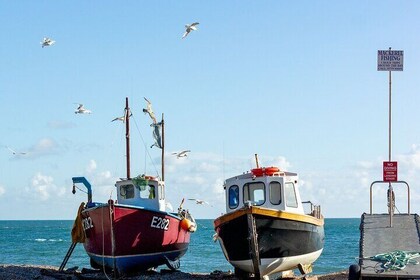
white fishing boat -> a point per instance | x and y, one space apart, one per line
265 229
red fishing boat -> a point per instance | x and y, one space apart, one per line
135 232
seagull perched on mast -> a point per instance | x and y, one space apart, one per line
189 28
81 110
149 110
181 154
46 42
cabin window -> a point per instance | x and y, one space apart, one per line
148 192
275 193
127 191
290 195
233 196
254 192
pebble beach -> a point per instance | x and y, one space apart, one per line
25 272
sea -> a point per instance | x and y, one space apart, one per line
46 242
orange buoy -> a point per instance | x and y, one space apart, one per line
265 171
188 225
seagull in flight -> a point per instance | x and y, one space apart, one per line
119 119
181 154
189 28
81 110
16 153
123 118
149 110
46 42
199 201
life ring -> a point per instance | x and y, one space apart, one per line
267 171
270 171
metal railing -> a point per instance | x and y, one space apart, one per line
390 197
315 209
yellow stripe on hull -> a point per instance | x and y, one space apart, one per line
269 213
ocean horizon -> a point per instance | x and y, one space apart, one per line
46 242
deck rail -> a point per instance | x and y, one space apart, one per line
315 209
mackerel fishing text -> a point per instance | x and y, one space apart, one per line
390 55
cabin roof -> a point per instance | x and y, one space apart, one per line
249 175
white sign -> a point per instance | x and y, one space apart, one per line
390 60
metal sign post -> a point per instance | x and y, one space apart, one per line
389 60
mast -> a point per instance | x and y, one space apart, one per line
127 136
163 149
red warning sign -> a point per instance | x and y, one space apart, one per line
390 170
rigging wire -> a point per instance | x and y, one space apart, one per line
118 137
80 189
147 152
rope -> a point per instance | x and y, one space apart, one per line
396 260
103 245
397 209
80 189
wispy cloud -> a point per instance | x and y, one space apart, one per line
410 160
60 125
2 190
44 188
102 181
91 167
44 147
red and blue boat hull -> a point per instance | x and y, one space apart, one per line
128 238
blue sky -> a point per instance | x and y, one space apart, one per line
295 82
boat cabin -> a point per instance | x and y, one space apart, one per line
261 187
147 192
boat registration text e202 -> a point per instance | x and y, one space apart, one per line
160 223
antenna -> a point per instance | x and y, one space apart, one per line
256 161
